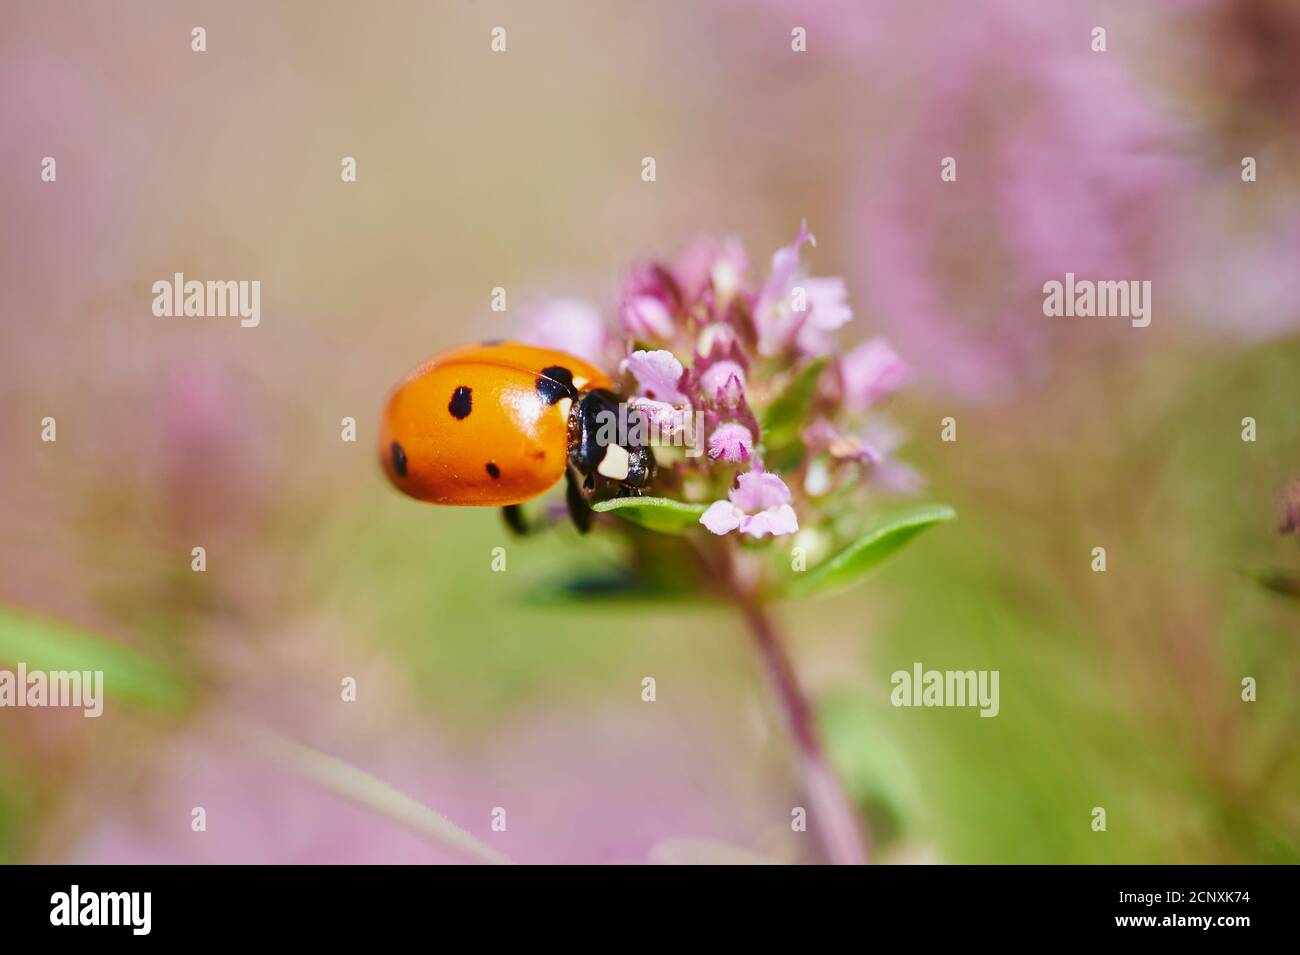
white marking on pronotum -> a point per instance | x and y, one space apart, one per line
615 464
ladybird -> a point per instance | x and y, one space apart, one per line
498 423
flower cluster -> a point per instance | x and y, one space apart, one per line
789 421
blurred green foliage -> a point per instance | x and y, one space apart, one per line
128 676
1122 689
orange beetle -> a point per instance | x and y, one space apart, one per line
499 423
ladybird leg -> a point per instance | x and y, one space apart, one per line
514 518
577 501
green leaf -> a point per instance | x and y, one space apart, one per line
46 645
1278 581
785 417
853 563
790 408
655 513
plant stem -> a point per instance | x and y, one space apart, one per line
364 790
832 812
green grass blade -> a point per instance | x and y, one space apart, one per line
369 792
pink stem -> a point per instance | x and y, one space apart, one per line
829 807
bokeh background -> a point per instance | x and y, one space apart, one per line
522 170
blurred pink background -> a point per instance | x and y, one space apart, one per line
522 170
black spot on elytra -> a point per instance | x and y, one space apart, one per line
493 470
554 383
461 403
399 459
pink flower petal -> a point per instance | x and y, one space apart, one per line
645 316
731 442
758 490
773 318
665 420
722 517
827 302
719 377
720 262
657 373
568 325
870 371
793 308
785 266
895 477
759 505
775 521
